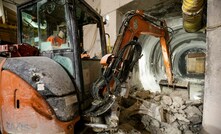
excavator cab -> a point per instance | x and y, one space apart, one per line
45 82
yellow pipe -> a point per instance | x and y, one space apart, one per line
192 15
109 48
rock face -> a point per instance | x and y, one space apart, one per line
161 114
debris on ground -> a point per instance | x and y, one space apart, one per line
144 112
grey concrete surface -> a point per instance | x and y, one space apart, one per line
212 95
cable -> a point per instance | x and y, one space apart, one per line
171 34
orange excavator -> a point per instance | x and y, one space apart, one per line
42 87
126 52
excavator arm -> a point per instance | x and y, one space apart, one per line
126 52
138 24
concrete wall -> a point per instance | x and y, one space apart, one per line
113 25
105 8
212 95
96 4
108 6
91 33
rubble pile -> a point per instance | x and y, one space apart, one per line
156 113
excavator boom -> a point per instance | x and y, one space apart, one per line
140 23
126 52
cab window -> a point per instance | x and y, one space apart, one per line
44 26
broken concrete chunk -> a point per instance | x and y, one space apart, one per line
181 117
180 111
201 108
175 124
193 102
143 107
154 110
143 94
177 101
155 123
183 122
183 127
173 109
166 100
134 131
195 119
157 98
191 110
170 118
157 93
188 132
163 114
127 129
146 118
183 107
168 129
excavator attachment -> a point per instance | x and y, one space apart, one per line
178 88
169 85
175 84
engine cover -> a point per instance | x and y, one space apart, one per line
42 73
50 80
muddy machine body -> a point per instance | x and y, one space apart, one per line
41 93
47 93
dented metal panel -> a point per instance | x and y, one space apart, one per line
43 74
24 110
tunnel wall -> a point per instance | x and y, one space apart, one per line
212 95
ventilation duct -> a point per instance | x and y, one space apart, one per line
192 15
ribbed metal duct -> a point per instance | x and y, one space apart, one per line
192 15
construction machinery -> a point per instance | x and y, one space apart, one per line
107 90
45 89
42 86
